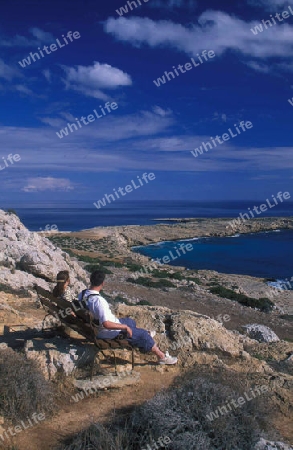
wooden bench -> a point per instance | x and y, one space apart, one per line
83 322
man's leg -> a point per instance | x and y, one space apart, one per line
142 339
129 322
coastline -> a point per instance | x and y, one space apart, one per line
139 235
118 242
123 239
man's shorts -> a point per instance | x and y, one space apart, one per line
140 337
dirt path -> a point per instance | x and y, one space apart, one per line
74 417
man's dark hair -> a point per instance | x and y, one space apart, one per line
97 278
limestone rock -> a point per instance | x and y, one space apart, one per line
108 382
261 333
58 355
185 332
27 258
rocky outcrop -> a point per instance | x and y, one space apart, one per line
186 332
58 355
194 338
27 258
147 234
261 333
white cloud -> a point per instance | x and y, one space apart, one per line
39 37
162 112
272 68
215 30
23 89
52 121
48 184
115 128
8 72
42 36
128 143
259 67
90 80
47 74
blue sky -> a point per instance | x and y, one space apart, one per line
154 129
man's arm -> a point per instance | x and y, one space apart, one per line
117 326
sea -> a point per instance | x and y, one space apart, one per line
266 254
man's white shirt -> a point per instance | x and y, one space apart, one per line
101 311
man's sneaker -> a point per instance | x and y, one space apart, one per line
168 359
152 333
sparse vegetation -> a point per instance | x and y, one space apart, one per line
143 303
133 267
23 388
165 274
181 414
287 317
120 299
149 283
104 246
11 211
264 304
92 267
195 279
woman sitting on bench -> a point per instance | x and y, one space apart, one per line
62 289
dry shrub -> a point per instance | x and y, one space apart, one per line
97 437
180 413
23 388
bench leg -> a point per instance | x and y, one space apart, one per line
93 365
114 354
132 358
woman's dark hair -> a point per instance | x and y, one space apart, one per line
97 278
62 277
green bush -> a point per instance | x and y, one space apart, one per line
264 304
92 267
159 273
149 283
196 280
164 274
287 317
143 303
23 388
87 259
12 211
120 299
176 276
94 261
133 267
111 263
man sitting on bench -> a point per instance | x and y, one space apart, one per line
111 326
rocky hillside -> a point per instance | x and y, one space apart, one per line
181 314
27 258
